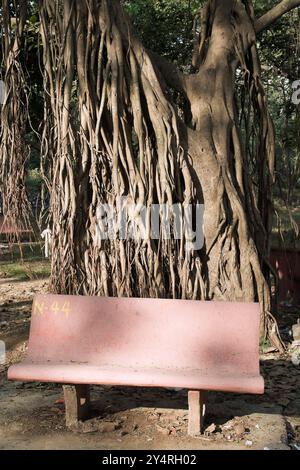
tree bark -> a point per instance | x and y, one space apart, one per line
275 13
14 150
123 135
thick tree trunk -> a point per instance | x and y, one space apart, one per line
121 135
236 232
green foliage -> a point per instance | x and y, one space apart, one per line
31 269
32 264
278 44
264 345
166 26
34 179
279 49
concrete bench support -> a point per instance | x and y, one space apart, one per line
197 409
77 401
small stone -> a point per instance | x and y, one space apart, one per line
152 417
239 430
296 358
211 429
164 431
228 425
248 443
107 427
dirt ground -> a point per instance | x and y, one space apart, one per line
32 415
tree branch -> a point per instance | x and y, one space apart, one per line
172 75
275 13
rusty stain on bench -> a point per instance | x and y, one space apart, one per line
184 344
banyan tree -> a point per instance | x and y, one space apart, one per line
122 123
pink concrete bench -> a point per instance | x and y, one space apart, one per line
193 345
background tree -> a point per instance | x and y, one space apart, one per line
280 51
14 115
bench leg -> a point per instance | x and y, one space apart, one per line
197 410
77 400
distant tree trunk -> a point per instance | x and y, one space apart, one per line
14 114
113 127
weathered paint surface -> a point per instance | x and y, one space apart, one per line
143 342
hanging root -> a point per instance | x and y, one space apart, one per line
14 151
112 131
116 137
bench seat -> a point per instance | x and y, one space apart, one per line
152 377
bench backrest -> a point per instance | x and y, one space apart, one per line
223 337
